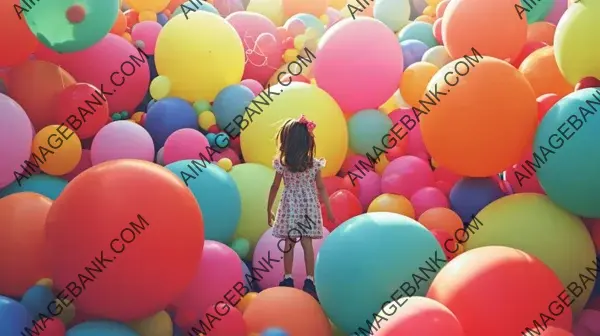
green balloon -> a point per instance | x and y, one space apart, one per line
241 246
67 26
536 10
201 106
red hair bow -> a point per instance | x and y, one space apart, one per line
309 124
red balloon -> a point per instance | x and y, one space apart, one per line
86 104
442 236
545 103
353 188
527 49
17 41
332 184
344 206
133 17
587 82
53 327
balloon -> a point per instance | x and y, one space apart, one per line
314 7
514 176
216 58
137 194
167 116
437 56
535 11
405 175
192 6
367 234
132 17
470 195
298 98
253 85
159 324
542 73
486 282
281 306
81 103
231 103
16 134
14 318
98 328
370 187
49 186
441 219
566 175
146 32
211 186
566 248
495 31
557 11
545 103
415 80
453 146
428 198
241 246
34 85
16 40
420 31
271 9
587 82
114 66
541 32
384 62
22 252
576 57
412 51
147 5
122 140
365 130
393 13
344 205
528 49
160 87
57 148
311 22
185 144
120 25
71 25
392 203
441 8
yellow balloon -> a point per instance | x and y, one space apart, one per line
206 119
127 36
425 18
147 16
246 300
159 324
225 164
432 2
68 313
414 81
46 282
429 11
147 5
160 87
58 154
337 4
137 117
272 9
324 18
576 54
380 166
299 42
199 66
290 55
331 134
392 203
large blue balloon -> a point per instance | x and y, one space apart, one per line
14 317
470 195
49 186
101 328
229 103
167 116
570 159
368 258
216 194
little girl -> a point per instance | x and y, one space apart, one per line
299 213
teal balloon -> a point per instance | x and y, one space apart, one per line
389 248
310 21
393 13
191 5
570 176
536 10
366 129
36 300
216 194
421 31
49 186
211 137
48 21
241 246
101 328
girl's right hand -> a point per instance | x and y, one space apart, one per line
331 217
270 218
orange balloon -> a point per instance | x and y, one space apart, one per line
22 250
120 25
246 301
441 219
392 203
542 72
466 131
425 18
414 81
17 41
174 4
33 85
281 307
492 27
541 32
58 147
314 7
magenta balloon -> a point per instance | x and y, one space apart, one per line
560 7
100 65
185 144
428 198
253 85
415 141
342 73
122 140
370 187
260 64
405 175
16 134
147 32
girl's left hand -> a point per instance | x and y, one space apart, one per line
331 218
270 218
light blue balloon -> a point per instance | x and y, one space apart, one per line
49 186
222 141
310 21
101 328
412 51
366 129
211 139
216 194
206 7
393 13
378 251
14 317
36 300
421 31
570 176
230 103
274 332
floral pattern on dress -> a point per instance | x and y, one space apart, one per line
299 211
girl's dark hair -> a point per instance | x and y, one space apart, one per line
296 146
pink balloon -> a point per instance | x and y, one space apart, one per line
122 140
445 187
427 198
405 175
437 30
530 184
415 142
352 161
397 114
370 187
98 64
253 85
334 16
84 163
53 327
185 144
260 64
383 61
218 271
267 247
147 32
16 134
560 7
226 7
295 27
421 316
445 174
232 324
441 8
267 42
